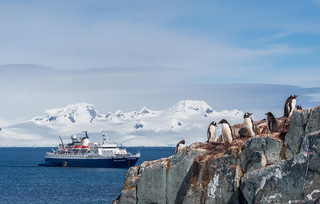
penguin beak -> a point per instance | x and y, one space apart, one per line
296 96
216 125
250 114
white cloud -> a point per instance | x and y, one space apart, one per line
273 37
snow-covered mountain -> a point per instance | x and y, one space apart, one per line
187 120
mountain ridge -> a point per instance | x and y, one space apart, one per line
188 119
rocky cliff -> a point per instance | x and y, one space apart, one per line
281 167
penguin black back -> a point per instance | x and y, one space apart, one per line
272 123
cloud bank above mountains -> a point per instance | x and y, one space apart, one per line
28 90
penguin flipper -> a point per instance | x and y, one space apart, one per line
253 128
176 149
287 108
231 130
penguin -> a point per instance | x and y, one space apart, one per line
272 123
211 132
290 105
248 124
227 134
180 146
299 107
243 132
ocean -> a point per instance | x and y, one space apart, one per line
23 181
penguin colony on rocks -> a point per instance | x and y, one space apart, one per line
249 129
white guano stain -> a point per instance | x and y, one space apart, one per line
212 186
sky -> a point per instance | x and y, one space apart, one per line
246 55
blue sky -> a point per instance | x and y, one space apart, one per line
127 54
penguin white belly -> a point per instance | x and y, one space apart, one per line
212 131
268 125
293 105
226 133
248 126
181 147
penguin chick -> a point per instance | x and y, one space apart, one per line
243 132
272 123
290 105
227 134
299 107
248 124
180 146
211 132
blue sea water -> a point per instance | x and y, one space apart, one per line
22 181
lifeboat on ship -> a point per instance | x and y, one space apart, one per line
85 147
77 147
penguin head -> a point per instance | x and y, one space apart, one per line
223 121
293 96
182 142
214 124
269 114
247 115
299 107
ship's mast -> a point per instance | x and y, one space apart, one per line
104 138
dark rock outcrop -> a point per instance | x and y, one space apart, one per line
281 167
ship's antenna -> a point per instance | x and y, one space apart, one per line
86 132
61 142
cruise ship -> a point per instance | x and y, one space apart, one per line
83 153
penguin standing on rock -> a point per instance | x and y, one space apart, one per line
272 123
290 105
248 123
227 134
211 132
180 146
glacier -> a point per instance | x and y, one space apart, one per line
188 120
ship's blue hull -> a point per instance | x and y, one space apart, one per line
95 163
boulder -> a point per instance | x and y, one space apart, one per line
152 185
257 152
215 178
296 132
314 120
311 146
178 175
278 183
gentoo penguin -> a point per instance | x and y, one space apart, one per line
180 146
272 123
290 105
227 134
299 107
211 132
248 124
